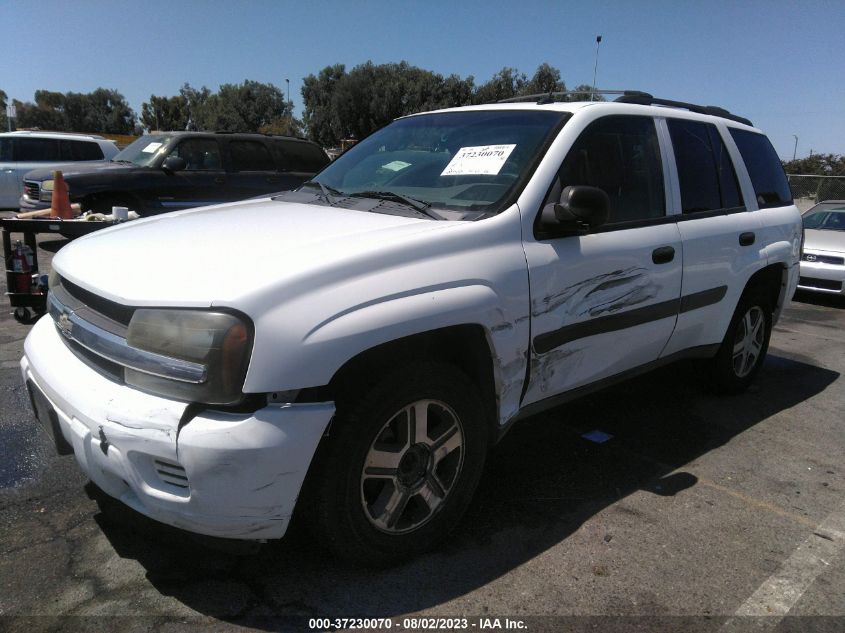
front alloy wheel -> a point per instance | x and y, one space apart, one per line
400 465
411 466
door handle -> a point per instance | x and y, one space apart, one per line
663 255
747 238
219 180
272 179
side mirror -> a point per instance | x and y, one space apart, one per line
174 163
580 210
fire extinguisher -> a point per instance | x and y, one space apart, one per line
21 269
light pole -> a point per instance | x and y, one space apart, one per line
596 67
290 114
795 149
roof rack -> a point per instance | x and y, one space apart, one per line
643 98
542 98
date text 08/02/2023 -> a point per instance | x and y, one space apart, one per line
417 623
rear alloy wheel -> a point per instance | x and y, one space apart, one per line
400 465
745 345
749 340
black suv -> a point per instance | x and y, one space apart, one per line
176 170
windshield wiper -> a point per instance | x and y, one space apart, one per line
122 160
417 205
327 191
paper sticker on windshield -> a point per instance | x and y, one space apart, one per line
396 165
151 147
479 160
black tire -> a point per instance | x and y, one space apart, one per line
732 372
23 315
348 501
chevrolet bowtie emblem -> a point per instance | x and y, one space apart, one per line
64 324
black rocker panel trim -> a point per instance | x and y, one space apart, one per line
550 340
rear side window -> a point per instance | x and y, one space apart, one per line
300 156
251 156
5 150
764 168
80 150
37 150
705 172
621 156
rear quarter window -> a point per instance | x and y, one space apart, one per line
250 156
300 156
764 168
81 150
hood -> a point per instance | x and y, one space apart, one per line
76 169
223 254
824 240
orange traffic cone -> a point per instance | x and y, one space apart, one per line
60 205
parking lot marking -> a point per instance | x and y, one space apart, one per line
779 593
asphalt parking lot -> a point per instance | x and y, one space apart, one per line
699 513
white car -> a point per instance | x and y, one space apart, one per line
21 152
823 260
354 348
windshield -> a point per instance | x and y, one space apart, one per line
473 161
143 151
826 219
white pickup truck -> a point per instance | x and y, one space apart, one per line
360 343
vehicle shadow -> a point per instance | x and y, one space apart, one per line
542 482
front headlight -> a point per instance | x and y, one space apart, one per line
46 185
220 341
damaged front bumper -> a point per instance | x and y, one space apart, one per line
220 474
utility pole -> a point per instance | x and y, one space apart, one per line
795 149
596 67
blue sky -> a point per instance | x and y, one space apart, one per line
778 63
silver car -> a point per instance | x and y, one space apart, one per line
21 152
823 261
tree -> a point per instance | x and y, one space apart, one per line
4 123
505 84
101 111
817 165
195 102
341 104
287 125
165 113
545 79
242 107
317 94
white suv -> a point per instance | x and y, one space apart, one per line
360 343
21 152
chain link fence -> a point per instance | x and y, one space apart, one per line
809 190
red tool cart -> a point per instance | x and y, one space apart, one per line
26 294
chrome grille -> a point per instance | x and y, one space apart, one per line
83 326
31 189
814 258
